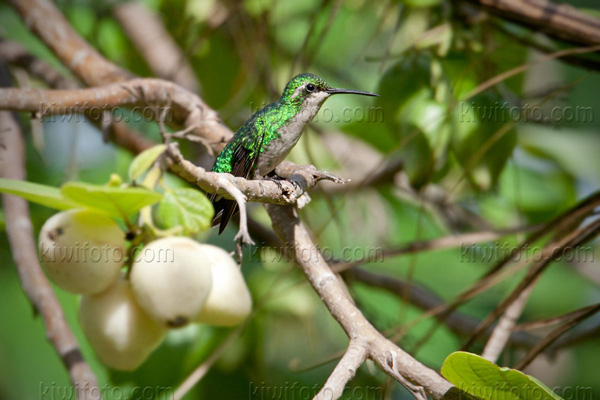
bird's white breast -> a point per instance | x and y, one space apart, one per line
289 134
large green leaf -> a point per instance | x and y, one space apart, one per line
188 208
48 196
417 122
144 161
540 194
484 379
115 201
483 138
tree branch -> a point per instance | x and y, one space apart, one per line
183 106
389 357
501 333
558 20
147 32
441 243
24 250
12 53
120 133
549 253
355 355
460 324
46 21
300 178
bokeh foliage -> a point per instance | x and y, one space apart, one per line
504 166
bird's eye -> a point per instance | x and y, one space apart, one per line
310 87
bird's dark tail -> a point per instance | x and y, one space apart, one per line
224 210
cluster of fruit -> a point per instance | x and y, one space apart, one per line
171 282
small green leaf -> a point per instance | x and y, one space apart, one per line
117 202
48 196
144 161
484 379
188 208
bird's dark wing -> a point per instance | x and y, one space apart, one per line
243 163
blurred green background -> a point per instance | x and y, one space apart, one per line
423 57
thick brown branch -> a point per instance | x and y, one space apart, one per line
389 357
558 20
42 18
13 53
33 280
157 47
183 106
46 21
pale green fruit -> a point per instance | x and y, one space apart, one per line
82 251
229 301
120 332
171 279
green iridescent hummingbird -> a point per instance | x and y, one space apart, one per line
270 134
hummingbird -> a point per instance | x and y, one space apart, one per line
268 136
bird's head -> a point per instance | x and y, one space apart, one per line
311 91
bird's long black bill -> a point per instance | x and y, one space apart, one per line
350 91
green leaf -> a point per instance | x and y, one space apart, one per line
48 196
483 138
188 208
484 379
144 161
418 123
539 194
117 202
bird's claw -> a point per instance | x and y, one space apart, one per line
324 175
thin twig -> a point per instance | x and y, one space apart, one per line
555 334
203 368
501 333
444 242
460 324
524 67
549 253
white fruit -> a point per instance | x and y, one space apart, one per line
171 279
120 332
82 251
229 301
